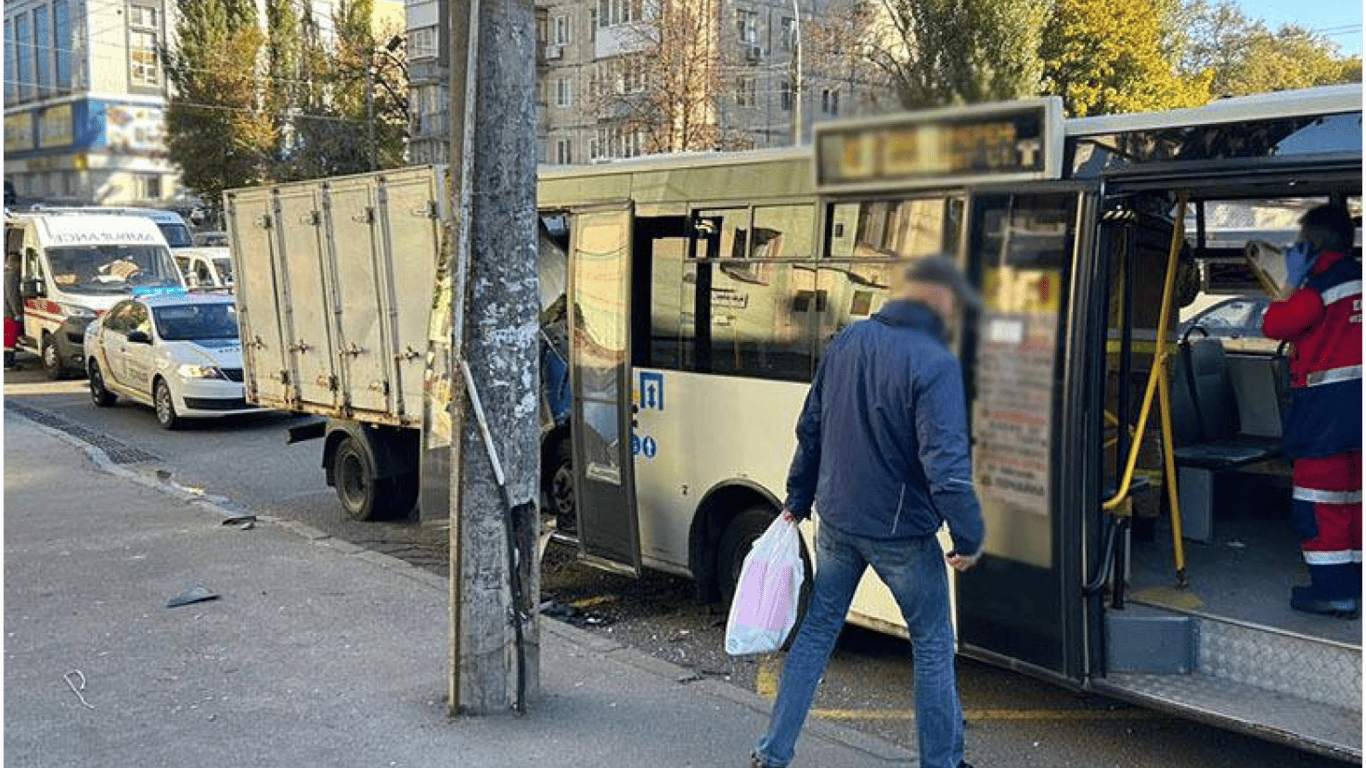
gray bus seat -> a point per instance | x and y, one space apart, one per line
1207 431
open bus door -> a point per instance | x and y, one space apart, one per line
600 359
1022 605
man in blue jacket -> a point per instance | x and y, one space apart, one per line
883 453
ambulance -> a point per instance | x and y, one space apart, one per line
70 268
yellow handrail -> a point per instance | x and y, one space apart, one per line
1158 385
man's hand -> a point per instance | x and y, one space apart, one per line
962 563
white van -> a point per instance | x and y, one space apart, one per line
205 267
71 268
171 224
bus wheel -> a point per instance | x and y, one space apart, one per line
561 488
353 472
98 394
735 543
52 359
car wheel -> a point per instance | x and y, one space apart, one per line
353 473
52 359
165 405
102 397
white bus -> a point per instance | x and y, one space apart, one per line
702 289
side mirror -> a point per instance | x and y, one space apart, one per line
32 289
139 337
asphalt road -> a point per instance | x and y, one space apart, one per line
1013 720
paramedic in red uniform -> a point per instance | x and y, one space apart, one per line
1321 318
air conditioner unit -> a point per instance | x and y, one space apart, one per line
554 52
754 54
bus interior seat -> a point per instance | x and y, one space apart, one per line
1207 430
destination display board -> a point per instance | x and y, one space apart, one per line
1016 141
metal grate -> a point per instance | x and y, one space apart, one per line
118 451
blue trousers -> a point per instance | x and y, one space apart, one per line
915 571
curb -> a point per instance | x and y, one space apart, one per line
160 481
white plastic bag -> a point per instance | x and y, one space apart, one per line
768 594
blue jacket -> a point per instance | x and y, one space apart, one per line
882 442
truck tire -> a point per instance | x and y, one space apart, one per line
363 496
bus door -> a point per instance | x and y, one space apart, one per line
1022 604
600 361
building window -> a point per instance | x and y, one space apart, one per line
592 24
23 49
561 30
564 92
745 95
785 95
594 150
144 26
747 27
151 186
61 40
614 12
788 38
564 152
42 49
830 101
11 82
422 43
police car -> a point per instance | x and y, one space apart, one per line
178 352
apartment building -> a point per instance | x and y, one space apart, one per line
85 99
616 82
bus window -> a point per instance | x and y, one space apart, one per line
666 302
748 320
894 228
782 232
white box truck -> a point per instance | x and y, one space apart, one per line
335 284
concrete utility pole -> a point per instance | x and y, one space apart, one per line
495 574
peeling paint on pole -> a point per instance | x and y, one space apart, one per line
501 323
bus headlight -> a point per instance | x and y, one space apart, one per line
188 371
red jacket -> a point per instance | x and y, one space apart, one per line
1322 321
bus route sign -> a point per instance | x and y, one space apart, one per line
1015 141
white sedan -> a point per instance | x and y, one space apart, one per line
177 352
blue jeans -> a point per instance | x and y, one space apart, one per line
915 572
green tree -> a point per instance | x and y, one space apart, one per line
1241 55
1104 57
216 130
939 52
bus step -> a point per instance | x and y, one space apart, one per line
1312 725
1145 639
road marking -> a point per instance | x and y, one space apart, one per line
46 388
766 685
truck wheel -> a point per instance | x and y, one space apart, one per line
102 397
52 359
362 495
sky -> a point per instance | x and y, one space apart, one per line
1339 19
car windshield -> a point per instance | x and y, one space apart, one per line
196 322
224 265
111 268
177 235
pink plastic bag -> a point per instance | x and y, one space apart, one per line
768 595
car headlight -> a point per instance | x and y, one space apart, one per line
76 310
188 371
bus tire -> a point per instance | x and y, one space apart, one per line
361 493
736 541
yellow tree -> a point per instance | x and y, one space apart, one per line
1104 57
